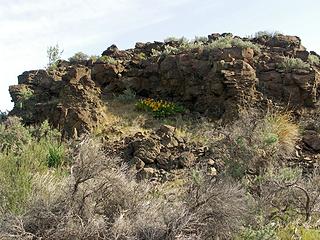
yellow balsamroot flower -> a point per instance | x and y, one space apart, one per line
159 108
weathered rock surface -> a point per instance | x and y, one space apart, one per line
312 139
214 82
70 101
162 152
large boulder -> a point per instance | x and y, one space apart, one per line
72 104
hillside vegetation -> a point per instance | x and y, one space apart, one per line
214 138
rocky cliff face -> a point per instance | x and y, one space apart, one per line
215 81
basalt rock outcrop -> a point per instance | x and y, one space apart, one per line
211 81
69 99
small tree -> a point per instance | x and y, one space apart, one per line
54 54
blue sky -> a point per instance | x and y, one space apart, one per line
28 27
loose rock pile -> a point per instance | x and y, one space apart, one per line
162 152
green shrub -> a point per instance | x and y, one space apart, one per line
141 56
13 135
54 54
228 42
265 233
288 64
201 43
258 143
182 40
94 58
222 42
168 50
79 56
296 232
155 53
108 59
266 34
314 59
237 42
24 152
159 108
46 132
127 96
201 39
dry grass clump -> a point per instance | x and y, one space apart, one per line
123 120
280 130
102 200
201 131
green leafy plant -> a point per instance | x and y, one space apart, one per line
288 64
54 54
159 108
55 156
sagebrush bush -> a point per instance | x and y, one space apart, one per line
183 45
228 42
288 64
314 59
264 233
107 59
13 135
181 40
286 195
102 199
94 58
127 96
23 153
79 56
269 34
201 39
256 143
